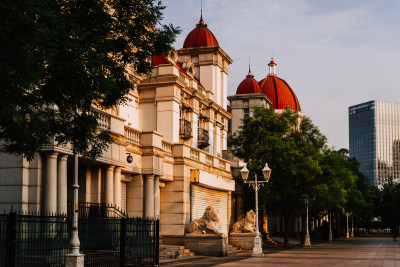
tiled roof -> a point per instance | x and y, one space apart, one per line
280 93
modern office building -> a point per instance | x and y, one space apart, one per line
374 139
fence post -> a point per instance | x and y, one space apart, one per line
11 238
157 236
122 243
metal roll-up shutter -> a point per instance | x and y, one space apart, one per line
203 197
123 196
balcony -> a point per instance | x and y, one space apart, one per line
185 129
203 138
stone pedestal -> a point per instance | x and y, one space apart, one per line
74 260
208 245
243 241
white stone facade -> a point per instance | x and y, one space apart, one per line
174 124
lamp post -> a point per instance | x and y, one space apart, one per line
307 242
352 228
347 225
330 228
257 249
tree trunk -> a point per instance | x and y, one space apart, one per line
286 222
303 229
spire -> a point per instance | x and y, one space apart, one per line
201 21
201 16
250 75
272 67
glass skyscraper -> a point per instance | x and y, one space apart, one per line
374 137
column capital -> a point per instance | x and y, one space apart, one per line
150 176
52 154
118 169
63 157
110 167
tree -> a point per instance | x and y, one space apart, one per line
291 149
389 200
59 58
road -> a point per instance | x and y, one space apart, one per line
365 251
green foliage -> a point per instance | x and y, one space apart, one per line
303 167
59 58
291 149
388 202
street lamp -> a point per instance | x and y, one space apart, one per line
347 225
352 228
307 242
330 227
257 249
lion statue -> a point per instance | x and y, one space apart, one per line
246 225
206 224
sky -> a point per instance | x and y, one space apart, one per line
333 54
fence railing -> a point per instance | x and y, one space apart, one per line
203 138
34 240
97 210
119 241
185 129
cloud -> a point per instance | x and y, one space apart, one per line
333 53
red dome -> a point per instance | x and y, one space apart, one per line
200 36
248 86
279 92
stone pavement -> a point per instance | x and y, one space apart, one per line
364 251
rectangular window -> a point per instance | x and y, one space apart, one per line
246 113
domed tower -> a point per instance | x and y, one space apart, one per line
278 90
248 95
249 85
202 49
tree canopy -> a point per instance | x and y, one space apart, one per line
59 58
303 166
290 147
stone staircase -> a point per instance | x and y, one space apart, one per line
174 252
271 243
234 251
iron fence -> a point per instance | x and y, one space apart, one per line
119 241
96 210
33 240
36 240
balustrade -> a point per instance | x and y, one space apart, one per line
104 121
167 147
185 129
203 138
194 154
132 135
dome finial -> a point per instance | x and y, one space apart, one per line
272 67
250 75
201 22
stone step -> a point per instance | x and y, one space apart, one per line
239 253
174 252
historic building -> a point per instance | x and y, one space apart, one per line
166 158
374 139
271 92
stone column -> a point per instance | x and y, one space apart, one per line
50 184
117 187
157 197
239 206
62 184
109 186
88 184
149 197
98 186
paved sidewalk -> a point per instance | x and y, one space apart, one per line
367 251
